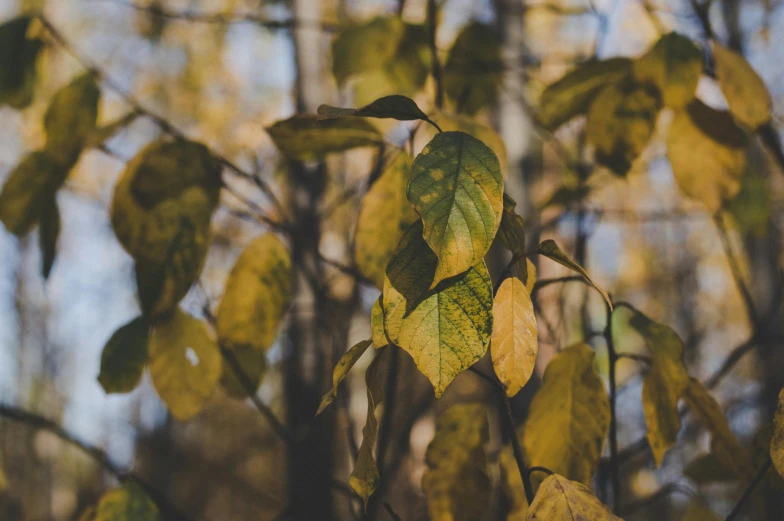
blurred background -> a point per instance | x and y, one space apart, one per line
223 70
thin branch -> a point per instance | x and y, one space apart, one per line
525 473
391 512
750 489
432 15
615 471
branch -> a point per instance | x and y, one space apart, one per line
436 67
615 471
750 489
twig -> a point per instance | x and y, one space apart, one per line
750 489
615 471
525 473
391 512
432 16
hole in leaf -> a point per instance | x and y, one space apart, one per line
192 357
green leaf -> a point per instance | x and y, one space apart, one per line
674 65
457 188
456 482
569 416
699 512
560 499
364 47
384 215
777 441
723 442
551 250
621 121
341 370
18 55
515 341
126 503
473 72
746 94
411 269
185 364
393 107
70 119
48 233
124 357
257 295
365 477
663 386
253 364
572 95
707 151
706 468
303 138
512 230
28 190
463 123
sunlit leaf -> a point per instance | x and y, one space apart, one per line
706 468
365 477
663 386
621 121
457 188
365 47
674 65
469 125
707 152
384 215
18 55
724 444
529 277
551 250
473 72
515 341
253 363
699 512
124 357
569 416
185 364
559 499
777 441
70 119
572 95
257 295
126 503
393 107
48 232
28 189
341 370
303 138
456 482
746 94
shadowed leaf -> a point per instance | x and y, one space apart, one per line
70 119
18 55
124 357
473 72
699 512
303 138
365 47
674 65
706 468
393 107
253 363
515 341
512 229
48 232
777 441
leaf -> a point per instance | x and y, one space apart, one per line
257 295
394 107
751 206
473 72
706 468
365 477
569 416
18 55
457 188
185 364
48 233
456 482
512 486
411 269
70 119
560 499
27 191
512 229
253 364
303 138
777 441
377 324
515 341
365 47
674 65
528 276
699 512
572 95
341 370
448 330
707 153
663 386
469 125
384 215
746 94
621 121
124 357
723 442
126 503
551 250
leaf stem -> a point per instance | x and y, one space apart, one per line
750 489
428 120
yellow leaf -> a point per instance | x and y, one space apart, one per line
456 483
530 277
474 69
70 119
550 249
384 215
723 442
27 190
746 94
699 512
253 363
462 123
707 152
185 364
341 370
569 416
457 188
303 138
777 441
515 341
257 295
674 65
364 47
126 503
621 121
663 386
560 499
